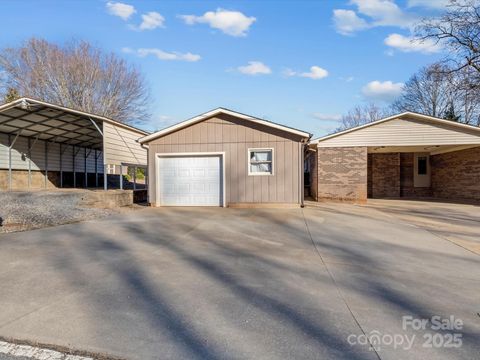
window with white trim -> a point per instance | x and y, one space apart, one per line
260 161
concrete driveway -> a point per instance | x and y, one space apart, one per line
240 283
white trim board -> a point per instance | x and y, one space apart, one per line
215 112
190 154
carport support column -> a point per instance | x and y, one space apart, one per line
96 169
85 167
9 163
29 154
61 168
105 176
134 178
74 174
121 177
46 164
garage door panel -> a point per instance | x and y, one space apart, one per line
190 180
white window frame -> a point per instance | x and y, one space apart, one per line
249 150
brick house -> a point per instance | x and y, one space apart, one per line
407 155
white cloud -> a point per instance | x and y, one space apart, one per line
382 91
434 4
162 55
151 20
385 13
410 44
347 79
316 72
327 117
120 9
378 12
254 68
232 23
347 22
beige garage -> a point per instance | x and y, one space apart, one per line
225 158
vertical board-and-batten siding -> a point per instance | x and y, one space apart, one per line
405 132
36 161
234 136
121 147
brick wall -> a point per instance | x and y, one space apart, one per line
342 173
456 175
385 175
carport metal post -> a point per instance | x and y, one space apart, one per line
30 147
9 163
134 178
85 167
73 159
29 154
10 145
61 171
105 185
46 165
96 169
121 177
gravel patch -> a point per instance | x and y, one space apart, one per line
32 210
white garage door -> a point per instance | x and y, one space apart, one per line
190 181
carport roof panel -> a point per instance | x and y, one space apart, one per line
34 118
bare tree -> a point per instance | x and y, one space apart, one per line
360 115
466 98
437 91
430 91
459 30
76 75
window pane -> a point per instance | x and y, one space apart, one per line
422 165
261 155
261 168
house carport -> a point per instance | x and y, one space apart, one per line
407 155
44 146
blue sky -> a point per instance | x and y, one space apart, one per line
300 63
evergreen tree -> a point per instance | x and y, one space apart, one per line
11 95
450 114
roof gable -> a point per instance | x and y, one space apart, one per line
216 112
404 129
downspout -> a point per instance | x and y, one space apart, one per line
147 171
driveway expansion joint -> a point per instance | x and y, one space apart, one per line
357 322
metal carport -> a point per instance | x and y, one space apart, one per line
42 138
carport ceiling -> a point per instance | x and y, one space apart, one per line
35 120
433 149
